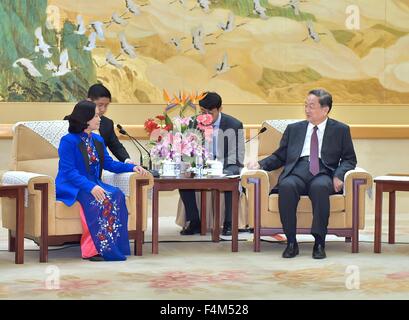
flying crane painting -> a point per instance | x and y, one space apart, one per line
252 51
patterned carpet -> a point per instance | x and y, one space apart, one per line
205 270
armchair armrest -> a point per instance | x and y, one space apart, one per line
357 173
258 174
264 187
126 181
30 179
356 182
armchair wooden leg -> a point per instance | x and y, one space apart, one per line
139 217
43 187
257 217
355 244
155 220
44 249
355 213
12 242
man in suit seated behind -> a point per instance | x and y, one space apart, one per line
101 96
227 147
316 153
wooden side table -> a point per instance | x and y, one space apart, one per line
16 244
389 184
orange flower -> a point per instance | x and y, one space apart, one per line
166 96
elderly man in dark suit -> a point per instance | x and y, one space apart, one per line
316 154
228 147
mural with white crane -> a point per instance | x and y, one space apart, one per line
250 51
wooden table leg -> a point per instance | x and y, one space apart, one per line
12 242
139 221
257 214
44 221
216 218
392 206
19 257
203 226
155 221
378 218
43 187
235 221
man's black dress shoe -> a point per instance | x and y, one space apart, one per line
226 229
291 251
96 258
318 252
192 228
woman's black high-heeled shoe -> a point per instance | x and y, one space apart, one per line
98 257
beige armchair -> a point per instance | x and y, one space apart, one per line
34 160
347 214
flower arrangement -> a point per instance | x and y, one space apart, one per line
179 137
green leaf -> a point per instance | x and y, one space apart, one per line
168 120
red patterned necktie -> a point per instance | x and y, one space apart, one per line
314 162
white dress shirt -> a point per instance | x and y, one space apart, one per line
320 133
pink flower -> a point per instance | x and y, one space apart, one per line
204 120
157 134
185 121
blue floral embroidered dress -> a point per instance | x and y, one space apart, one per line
107 220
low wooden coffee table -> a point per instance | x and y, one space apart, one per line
216 184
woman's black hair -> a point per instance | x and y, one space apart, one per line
83 112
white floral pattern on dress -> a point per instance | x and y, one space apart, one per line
109 222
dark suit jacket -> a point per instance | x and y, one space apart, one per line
107 132
337 151
230 144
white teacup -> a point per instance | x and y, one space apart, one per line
168 168
215 167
